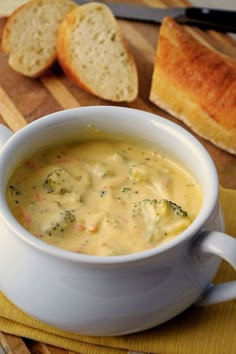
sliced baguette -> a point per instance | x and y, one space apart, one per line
196 84
93 53
29 36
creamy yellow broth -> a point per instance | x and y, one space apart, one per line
103 197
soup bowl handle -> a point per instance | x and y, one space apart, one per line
224 246
5 134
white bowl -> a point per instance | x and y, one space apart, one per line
113 295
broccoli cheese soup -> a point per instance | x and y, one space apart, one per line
103 197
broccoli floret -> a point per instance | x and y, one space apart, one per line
145 206
58 181
175 207
139 173
57 222
161 218
158 207
69 217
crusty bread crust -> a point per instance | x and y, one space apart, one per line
196 85
75 63
34 55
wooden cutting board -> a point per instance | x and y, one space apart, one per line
23 100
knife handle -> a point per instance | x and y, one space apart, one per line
221 20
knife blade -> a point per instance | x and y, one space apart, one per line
202 17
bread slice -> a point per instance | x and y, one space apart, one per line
29 36
196 84
93 53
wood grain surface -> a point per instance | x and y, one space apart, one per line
23 100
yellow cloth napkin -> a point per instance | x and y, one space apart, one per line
210 329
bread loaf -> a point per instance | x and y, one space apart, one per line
29 36
93 53
196 84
